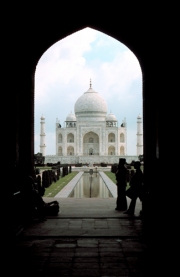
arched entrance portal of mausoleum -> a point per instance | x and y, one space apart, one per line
91 144
60 151
111 150
70 151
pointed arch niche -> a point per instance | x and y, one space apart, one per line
111 150
91 144
70 138
122 152
122 137
70 151
60 140
111 137
115 72
60 151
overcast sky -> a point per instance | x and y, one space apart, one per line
63 74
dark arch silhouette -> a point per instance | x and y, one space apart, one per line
147 32
27 70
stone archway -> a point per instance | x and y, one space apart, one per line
70 137
70 151
37 40
111 150
111 137
122 137
60 151
91 144
122 150
60 140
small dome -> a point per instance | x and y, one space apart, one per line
111 117
71 117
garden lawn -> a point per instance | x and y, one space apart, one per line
56 187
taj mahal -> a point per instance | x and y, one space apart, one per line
91 135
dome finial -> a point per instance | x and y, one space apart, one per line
90 84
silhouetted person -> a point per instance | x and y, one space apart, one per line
37 201
136 183
121 178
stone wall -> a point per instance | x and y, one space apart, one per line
88 159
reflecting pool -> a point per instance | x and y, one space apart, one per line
90 185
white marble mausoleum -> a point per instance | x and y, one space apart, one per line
90 134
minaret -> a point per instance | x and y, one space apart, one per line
125 126
139 136
42 137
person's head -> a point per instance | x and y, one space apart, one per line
122 162
137 165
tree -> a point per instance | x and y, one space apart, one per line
39 158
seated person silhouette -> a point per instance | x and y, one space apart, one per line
37 200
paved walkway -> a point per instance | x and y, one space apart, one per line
87 238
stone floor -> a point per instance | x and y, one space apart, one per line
87 238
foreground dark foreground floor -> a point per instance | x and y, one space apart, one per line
87 238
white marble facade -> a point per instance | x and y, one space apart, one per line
90 135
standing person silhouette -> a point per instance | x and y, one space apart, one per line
136 186
121 178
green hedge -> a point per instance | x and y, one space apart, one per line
78 165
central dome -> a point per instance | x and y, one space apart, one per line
90 104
